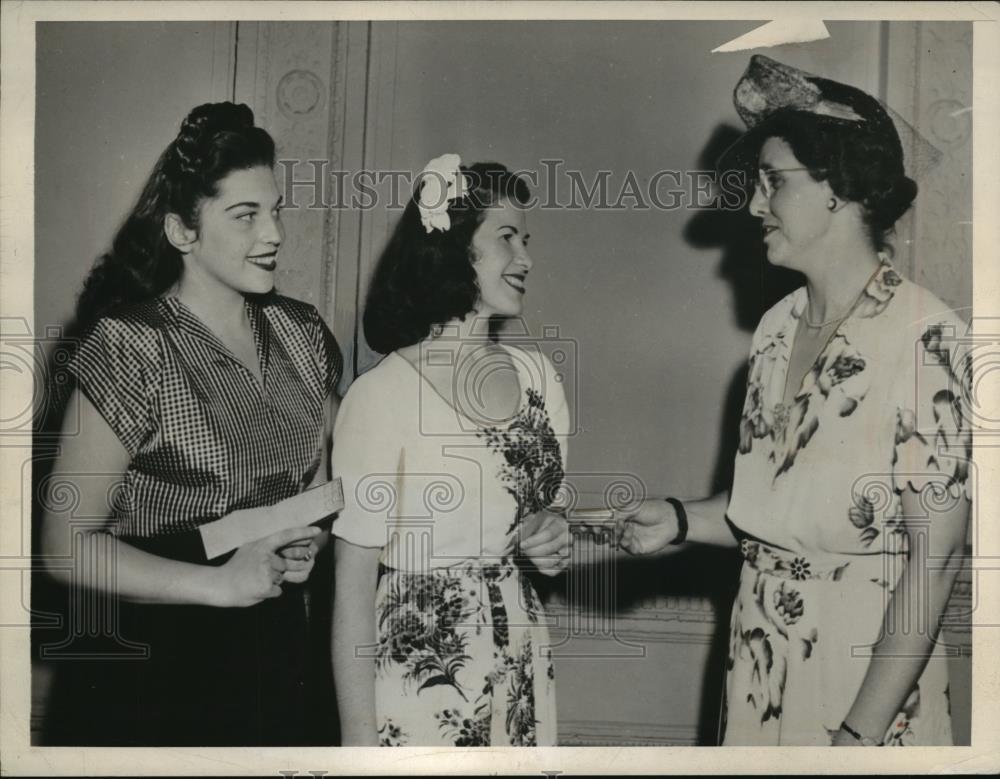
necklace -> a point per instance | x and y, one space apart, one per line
837 319
833 320
781 410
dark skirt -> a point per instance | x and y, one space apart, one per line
186 675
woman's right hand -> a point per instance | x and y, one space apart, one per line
545 540
647 528
257 570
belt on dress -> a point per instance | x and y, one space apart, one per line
788 565
472 568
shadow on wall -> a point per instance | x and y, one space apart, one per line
709 572
756 286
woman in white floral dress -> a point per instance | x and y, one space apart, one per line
850 499
450 451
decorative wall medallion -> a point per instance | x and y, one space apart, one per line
300 92
950 122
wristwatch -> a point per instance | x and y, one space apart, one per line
865 741
682 521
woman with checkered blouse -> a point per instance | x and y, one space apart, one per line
200 393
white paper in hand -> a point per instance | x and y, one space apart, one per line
306 508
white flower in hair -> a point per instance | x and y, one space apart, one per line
441 182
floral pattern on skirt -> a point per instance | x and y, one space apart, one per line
462 659
798 653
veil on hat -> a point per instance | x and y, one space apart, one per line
767 87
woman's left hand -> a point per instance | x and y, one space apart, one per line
545 540
841 738
300 559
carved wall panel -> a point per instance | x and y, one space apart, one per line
928 81
287 72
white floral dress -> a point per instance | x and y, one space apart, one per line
817 491
462 652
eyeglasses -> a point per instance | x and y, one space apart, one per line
764 183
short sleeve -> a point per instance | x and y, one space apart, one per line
933 436
115 366
330 356
367 458
554 393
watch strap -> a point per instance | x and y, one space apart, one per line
682 521
865 741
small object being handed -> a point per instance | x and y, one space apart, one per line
596 522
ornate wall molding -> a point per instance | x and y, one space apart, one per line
299 94
287 73
927 74
223 60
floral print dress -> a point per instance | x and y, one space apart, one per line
462 652
817 493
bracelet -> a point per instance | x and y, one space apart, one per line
682 521
865 741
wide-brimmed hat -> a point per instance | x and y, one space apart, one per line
770 90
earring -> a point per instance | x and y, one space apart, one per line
832 205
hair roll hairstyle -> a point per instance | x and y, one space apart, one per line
215 139
425 279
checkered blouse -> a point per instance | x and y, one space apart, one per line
205 437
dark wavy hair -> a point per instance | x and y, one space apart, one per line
861 166
214 140
425 279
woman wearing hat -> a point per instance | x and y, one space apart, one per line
851 497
